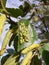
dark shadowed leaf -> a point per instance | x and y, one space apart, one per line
10 51
11 39
4 58
13 59
47 35
45 56
16 43
14 12
25 7
36 61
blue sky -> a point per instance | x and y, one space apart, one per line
13 3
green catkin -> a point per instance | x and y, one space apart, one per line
23 33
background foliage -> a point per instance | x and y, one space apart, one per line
35 19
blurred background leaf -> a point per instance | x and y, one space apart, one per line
36 61
45 56
44 47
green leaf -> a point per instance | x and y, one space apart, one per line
45 56
15 43
44 47
25 7
14 12
31 41
25 21
47 35
11 11
1 10
46 18
36 61
32 36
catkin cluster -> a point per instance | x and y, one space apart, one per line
23 33
2 22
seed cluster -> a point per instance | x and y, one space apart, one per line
23 33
